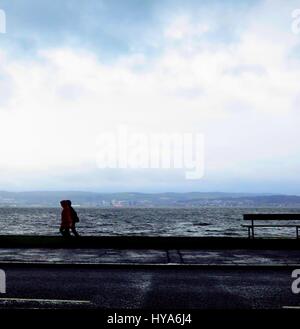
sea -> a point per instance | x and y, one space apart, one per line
204 221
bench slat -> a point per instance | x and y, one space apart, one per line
249 225
271 217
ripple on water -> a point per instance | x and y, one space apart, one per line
148 221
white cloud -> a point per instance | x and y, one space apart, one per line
182 28
241 95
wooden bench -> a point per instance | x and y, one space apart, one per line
268 218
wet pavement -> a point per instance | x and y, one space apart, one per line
151 256
152 288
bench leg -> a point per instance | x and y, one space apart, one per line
252 232
297 232
249 236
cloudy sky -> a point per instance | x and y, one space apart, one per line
71 70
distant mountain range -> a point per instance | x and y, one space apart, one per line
191 199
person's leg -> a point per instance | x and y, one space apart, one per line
62 231
65 232
73 228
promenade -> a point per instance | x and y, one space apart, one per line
150 257
148 273
145 250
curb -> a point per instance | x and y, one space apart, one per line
147 265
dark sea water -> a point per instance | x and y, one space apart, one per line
130 221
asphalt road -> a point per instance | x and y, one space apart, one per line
222 288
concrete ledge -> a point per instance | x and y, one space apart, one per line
4 265
127 242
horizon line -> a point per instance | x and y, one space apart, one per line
145 192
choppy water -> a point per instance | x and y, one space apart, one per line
130 221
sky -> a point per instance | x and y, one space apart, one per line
72 70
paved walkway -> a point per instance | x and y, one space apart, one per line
151 256
153 288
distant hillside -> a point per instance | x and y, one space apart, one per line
191 199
